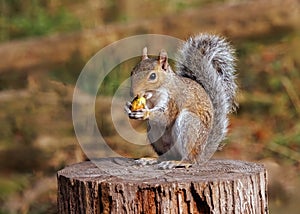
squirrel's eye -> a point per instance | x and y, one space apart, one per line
152 76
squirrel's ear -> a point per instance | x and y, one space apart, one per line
145 56
163 59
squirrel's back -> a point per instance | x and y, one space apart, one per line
210 61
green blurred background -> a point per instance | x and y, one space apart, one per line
45 44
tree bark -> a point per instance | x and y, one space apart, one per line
118 185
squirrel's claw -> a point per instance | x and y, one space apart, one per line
142 114
127 107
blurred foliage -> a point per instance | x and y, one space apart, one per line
68 72
270 80
15 128
121 11
13 184
13 80
27 18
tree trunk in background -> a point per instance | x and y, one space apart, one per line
118 185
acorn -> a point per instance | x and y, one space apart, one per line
138 103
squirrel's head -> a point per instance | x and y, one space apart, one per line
150 74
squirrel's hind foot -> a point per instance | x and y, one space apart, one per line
146 161
172 164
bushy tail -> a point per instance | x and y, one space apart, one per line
209 60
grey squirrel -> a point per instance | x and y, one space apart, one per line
186 109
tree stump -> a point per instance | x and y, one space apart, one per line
118 185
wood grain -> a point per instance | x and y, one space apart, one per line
118 185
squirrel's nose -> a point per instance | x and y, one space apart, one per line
134 93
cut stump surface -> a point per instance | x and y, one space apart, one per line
118 185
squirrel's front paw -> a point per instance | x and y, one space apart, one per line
141 114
